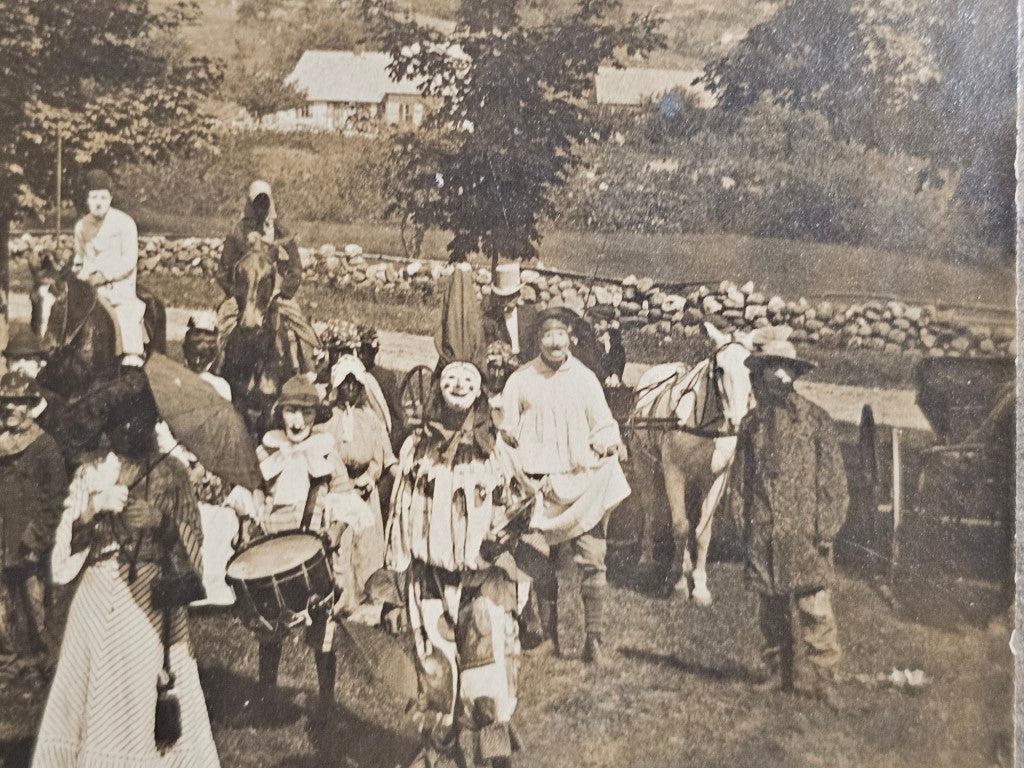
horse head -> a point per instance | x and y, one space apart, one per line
49 288
730 374
254 283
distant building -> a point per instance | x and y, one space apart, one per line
633 86
346 90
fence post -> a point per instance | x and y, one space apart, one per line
897 496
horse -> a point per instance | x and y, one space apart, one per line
79 330
259 355
683 424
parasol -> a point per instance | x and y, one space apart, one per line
203 421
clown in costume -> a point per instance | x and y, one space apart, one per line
107 256
457 485
309 489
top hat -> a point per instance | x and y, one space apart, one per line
24 343
18 387
778 353
506 280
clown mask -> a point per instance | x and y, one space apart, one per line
460 385
298 422
98 202
555 343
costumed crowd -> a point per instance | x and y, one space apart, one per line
448 530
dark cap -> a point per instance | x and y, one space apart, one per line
97 179
24 343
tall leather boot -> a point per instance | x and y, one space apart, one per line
270 661
326 669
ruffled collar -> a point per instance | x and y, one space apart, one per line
291 466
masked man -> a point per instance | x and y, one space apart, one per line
457 485
568 443
306 479
788 492
107 255
507 318
33 483
260 219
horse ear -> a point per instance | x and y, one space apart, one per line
746 339
715 335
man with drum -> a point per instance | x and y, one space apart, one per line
309 490
568 443
107 256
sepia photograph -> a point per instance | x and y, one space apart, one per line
508 383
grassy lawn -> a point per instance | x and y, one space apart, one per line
790 268
677 693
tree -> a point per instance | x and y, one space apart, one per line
931 78
109 77
510 114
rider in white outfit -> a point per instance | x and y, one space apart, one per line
107 255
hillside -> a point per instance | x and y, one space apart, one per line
701 29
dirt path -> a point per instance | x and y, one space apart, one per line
401 351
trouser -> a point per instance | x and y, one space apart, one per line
800 638
587 553
467 651
320 637
23 611
129 312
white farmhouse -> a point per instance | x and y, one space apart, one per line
346 90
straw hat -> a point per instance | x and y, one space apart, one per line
16 387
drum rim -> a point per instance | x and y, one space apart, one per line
322 553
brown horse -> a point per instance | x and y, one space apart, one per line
79 331
259 351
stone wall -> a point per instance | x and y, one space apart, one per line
890 326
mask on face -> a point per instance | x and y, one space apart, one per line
460 386
298 422
555 343
14 416
99 202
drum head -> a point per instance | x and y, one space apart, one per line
274 555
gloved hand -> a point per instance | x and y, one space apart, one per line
110 499
364 484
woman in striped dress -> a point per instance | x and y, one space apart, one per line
125 511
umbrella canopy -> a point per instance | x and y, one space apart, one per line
203 421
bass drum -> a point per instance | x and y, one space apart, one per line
281 581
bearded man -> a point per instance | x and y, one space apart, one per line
568 443
107 257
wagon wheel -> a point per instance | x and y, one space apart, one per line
414 393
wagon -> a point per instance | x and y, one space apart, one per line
959 514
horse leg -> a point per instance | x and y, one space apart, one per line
675 491
701 593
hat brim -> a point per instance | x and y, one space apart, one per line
795 364
507 291
27 399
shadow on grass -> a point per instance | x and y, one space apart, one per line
233 701
725 672
351 741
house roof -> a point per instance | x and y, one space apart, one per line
347 76
632 85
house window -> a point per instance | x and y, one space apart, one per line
303 110
404 113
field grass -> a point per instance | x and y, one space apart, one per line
677 694
790 268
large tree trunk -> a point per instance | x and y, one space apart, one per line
5 278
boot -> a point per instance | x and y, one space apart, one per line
592 653
548 610
326 670
270 660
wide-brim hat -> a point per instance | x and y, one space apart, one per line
507 280
17 387
779 353
24 343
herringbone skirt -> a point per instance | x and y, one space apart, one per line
101 709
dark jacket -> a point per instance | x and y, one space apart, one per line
284 252
495 328
614 362
33 484
788 492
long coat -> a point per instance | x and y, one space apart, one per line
33 483
788 492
